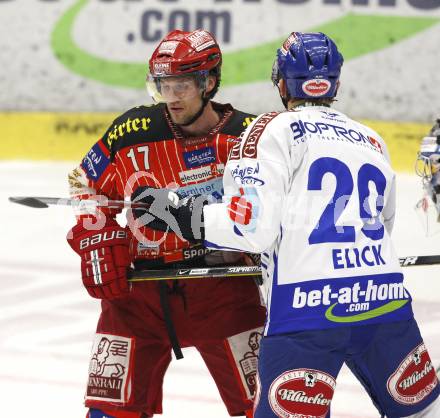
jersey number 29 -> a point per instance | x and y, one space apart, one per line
326 229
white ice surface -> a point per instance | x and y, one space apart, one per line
47 320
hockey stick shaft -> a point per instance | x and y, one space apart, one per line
419 260
100 201
194 273
243 271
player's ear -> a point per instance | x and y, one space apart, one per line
282 88
337 87
210 83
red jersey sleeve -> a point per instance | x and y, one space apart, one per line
95 176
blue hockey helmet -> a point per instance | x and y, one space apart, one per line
310 64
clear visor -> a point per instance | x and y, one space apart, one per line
428 208
175 88
423 167
426 166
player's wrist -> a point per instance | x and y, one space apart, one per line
189 215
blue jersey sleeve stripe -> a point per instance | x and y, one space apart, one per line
209 244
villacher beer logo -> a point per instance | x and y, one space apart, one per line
316 87
302 393
414 379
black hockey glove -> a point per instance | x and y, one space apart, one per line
168 211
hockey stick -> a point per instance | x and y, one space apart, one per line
44 202
242 271
419 260
194 273
101 201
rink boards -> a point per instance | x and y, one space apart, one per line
68 136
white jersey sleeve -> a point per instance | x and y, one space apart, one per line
389 210
259 169
314 192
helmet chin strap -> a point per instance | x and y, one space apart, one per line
205 101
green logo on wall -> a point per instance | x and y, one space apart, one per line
355 35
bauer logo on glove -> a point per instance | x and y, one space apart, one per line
101 237
105 258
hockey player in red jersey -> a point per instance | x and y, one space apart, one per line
182 142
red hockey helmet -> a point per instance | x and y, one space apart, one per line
185 53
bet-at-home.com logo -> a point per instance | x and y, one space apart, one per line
356 300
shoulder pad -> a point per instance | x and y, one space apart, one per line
238 122
138 125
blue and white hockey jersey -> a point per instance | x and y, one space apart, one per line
318 200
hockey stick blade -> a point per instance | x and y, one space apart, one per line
32 202
44 202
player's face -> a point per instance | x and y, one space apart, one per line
182 111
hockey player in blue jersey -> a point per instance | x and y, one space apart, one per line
313 191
